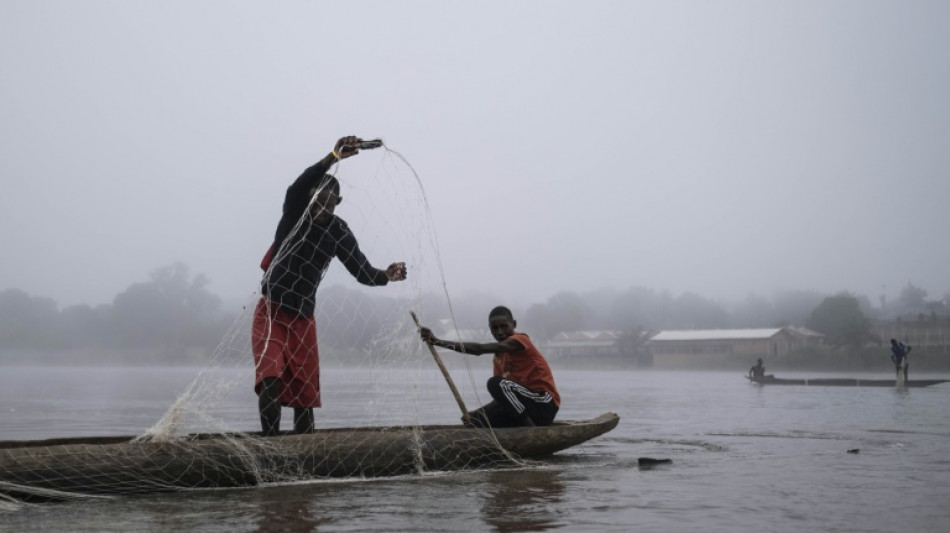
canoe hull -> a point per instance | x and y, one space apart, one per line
845 382
106 465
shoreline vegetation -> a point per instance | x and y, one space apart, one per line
870 360
173 319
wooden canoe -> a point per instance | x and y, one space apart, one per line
843 382
104 465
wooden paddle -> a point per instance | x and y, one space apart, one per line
445 373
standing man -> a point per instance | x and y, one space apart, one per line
284 332
899 352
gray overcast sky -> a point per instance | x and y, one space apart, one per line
722 147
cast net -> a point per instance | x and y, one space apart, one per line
387 409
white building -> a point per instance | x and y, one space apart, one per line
712 347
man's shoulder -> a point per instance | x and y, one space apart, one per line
518 335
338 227
525 341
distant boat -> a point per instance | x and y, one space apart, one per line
843 382
56 468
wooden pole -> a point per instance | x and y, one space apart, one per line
445 373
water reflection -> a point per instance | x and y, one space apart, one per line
523 500
259 509
288 509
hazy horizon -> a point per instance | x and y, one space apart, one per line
724 149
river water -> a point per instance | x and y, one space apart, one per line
744 458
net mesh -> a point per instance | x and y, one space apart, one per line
386 408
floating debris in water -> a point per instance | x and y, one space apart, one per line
854 450
648 462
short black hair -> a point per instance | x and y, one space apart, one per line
501 311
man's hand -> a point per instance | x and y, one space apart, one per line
346 147
396 272
427 335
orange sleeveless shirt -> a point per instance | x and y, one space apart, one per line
528 368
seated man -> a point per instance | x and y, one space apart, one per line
522 388
757 371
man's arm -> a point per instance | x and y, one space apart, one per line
298 194
349 253
475 348
301 187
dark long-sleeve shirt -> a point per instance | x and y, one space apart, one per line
299 267
899 352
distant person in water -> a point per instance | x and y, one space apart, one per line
522 387
284 332
757 371
899 352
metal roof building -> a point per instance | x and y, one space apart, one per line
718 348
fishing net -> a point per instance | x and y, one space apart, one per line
382 392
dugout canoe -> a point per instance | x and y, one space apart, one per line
112 465
843 382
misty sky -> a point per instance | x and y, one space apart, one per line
723 147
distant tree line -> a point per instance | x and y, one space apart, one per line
174 318
171 315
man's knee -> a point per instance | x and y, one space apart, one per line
270 388
494 386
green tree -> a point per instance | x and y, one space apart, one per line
842 321
632 345
539 317
911 298
565 311
170 311
27 322
640 305
794 307
755 311
83 326
692 311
